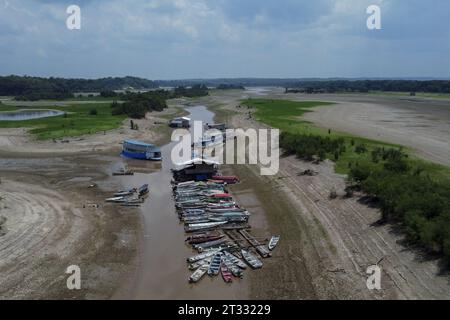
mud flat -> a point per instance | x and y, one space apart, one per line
420 124
51 218
326 244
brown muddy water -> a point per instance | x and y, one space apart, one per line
162 271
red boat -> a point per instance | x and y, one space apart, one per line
226 274
227 179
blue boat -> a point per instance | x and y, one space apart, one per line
141 150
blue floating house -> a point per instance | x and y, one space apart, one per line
141 150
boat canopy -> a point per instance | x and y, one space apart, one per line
139 143
197 161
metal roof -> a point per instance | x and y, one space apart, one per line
140 143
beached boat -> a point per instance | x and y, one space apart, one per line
199 273
141 150
235 260
273 242
143 190
123 172
226 274
203 226
227 179
214 266
198 264
251 259
202 246
205 239
124 193
202 256
116 199
235 270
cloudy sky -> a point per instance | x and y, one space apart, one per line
174 39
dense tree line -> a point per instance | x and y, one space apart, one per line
308 146
408 196
230 87
136 105
34 88
199 90
331 86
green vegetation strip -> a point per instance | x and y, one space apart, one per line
79 119
411 192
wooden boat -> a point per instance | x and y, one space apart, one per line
199 273
214 267
251 259
143 190
273 242
203 226
123 172
227 179
226 274
235 270
205 239
202 246
198 264
235 260
116 199
124 193
202 256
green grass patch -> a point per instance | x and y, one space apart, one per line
286 116
78 120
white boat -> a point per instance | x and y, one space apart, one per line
252 260
202 256
199 273
204 226
198 264
235 260
273 242
116 199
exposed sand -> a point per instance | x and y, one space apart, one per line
327 244
50 218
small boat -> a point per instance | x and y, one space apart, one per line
124 193
116 199
198 264
202 256
235 270
226 274
235 260
199 273
123 172
252 260
227 179
143 190
205 239
273 242
203 226
201 247
214 267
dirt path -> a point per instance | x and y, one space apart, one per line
326 244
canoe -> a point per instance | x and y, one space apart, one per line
202 256
273 242
214 266
251 259
198 264
203 226
205 239
235 260
199 273
235 270
116 199
202 246
226 274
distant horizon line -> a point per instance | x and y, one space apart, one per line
239 78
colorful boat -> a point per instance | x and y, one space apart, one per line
226 274
141 150
235 260
232 267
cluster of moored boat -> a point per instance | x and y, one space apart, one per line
133 197
208 212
